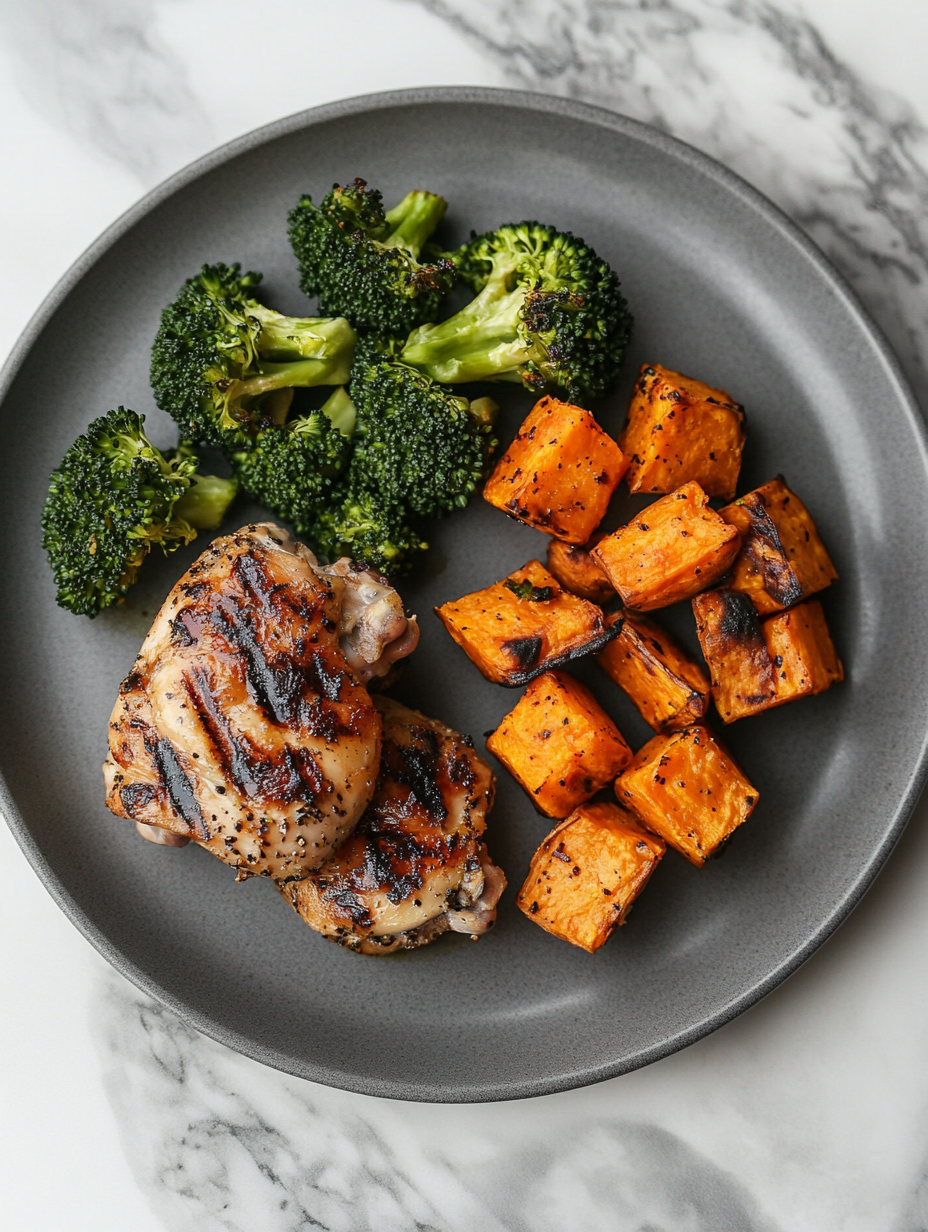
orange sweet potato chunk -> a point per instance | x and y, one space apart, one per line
559 744
756 664
733 646
687 789
804 656
669 689
559 473
524 625
674 548
578 572
680 429
783 559
587 873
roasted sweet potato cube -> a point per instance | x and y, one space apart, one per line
578 572
687 789
559 473
680 429
804 657
669 689
559 744
587 873
756 664
674 548
733 645
782 559
520 627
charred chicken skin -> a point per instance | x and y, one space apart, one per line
244 725
414 866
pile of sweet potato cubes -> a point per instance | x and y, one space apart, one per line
749 570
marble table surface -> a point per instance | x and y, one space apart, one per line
807 1114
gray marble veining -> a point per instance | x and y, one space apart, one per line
235 1147
755 85
98 69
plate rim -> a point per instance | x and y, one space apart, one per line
790 231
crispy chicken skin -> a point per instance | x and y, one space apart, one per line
414 867
243 724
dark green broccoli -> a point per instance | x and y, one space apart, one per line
548 312
293 467
113 498
223 366
416 444
366 528
362 263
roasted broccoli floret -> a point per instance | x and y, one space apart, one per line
362 263
293 468
365 527
224 366
113 498
548 312
416 444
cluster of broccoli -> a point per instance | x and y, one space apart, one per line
391 445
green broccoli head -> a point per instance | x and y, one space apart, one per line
548 312
368 528
113 498
362 263
293 468
223 366
416 443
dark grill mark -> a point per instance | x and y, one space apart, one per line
275 690
418 769
525 650
135 796
179 788
283 778
739 619
180 634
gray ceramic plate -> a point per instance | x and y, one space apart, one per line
722 286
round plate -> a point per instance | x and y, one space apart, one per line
722 287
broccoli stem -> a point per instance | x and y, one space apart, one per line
285 339
412 222
479 343
341 411
298 374
205 502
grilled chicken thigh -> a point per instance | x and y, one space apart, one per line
243 724
414 865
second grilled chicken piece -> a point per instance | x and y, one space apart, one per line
243 724
414 867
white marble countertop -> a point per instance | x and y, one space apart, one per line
807 1114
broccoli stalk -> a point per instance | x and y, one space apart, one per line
224 365
363 263
113 497
548 313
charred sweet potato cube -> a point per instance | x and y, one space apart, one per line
687 789
671 550
587 873
669 689
783 559
520 627
804 657
756 664
559 473
680 429
733 646
559 744
578 572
